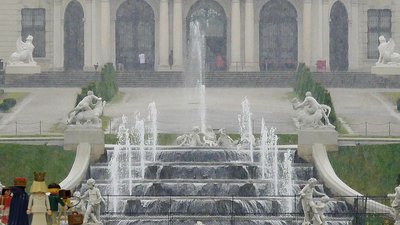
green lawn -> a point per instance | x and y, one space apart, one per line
369 169
23 160
391 96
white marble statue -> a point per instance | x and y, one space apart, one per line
210 138
224 140
77 203
192 140
94 199
86 112
310 208
199 223
311 114
23 55
320 206
386 52
396 205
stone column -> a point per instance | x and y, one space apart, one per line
88 36
163 37
353 37
250 64
105 31
177 27
235 36
95 36
325 32
58 51
307 32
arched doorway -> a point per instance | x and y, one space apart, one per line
278 36
211 19
338 36
74 37
135 28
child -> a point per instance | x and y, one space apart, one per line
319 207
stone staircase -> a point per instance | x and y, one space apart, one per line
212 79
212 185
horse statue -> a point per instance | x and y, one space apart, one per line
89 117
24 52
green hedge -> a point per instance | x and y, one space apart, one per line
398 104
7 104
305 82
107 88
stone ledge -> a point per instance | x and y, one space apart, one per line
385 70
74 135
22 69
308 137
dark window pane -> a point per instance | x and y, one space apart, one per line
379 23
33 23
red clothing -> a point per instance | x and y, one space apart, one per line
5 201
219 62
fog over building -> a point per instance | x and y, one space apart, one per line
240 35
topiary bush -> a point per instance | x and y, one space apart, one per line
7 104
107 88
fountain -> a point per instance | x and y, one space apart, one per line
211 185
153 136
246 127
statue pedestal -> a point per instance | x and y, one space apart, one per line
22 69
76 134
308 137
386 69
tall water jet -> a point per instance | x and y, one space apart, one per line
269 154
117 165
153 135
286 179
139 132
246 128
195 59
195 69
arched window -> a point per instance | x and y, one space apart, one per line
73 37
278 36
135 28
212 22
338 35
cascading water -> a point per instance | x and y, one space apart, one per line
117 165
153 135
246 128
139 133
286 179
269 154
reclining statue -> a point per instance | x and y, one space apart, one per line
386 52
23 55
311 114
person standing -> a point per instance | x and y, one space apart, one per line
19 203
171 59
38 204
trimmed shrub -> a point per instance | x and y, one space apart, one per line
398 104
7 104
305 82
107 88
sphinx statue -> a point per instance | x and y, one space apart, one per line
395 204
386 52
311 114
23 55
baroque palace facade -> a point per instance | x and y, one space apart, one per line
239 35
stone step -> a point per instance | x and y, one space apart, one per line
212 79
